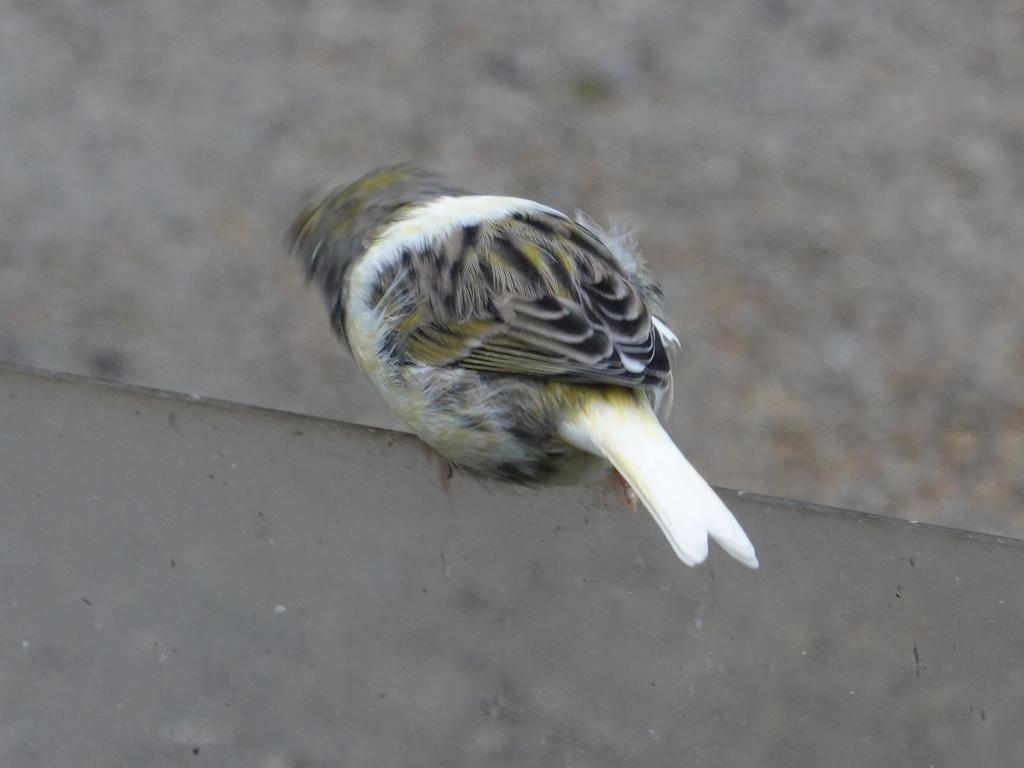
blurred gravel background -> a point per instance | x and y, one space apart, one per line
831 192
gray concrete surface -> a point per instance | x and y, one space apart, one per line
830 189
187 583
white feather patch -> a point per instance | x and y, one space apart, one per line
667 336
430 222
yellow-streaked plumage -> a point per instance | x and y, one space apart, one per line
521 344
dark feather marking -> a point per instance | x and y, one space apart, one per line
539 224
561 275
596 344
659 360
487 274
586 243
491 312
592 316
549 303
469 237
458 266
609 288
568 325
500 355
619 309
337 313
450 300
516 259
499 352
544 308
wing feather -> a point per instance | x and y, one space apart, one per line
536 295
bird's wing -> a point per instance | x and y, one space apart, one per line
536 295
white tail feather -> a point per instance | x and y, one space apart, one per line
686 508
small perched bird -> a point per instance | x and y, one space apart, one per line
522 344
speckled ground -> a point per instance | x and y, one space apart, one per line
831 192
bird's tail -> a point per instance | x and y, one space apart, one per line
626 432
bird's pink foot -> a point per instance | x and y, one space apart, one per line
445 469
632 500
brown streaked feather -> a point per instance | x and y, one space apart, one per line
536 295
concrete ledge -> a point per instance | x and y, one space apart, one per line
192 583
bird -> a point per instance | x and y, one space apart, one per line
523 344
